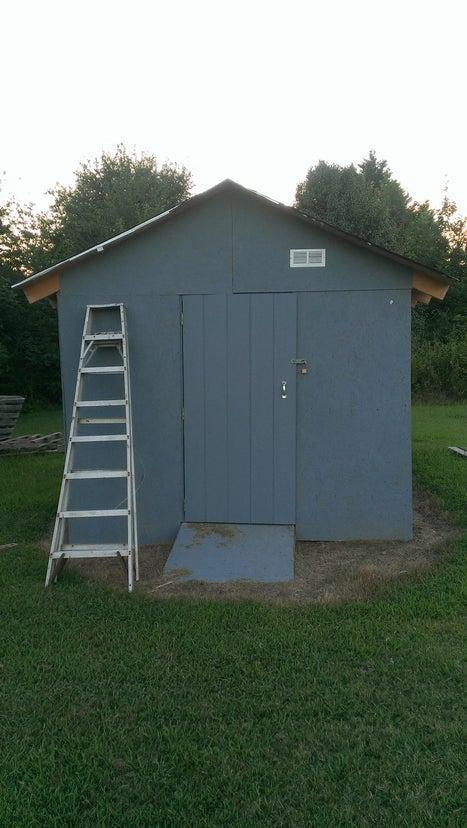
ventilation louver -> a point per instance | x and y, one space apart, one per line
308 258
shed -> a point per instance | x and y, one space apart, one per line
270 361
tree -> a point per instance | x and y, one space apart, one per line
29 362
366 201
369 202
110 194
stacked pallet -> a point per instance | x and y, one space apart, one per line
10 409
33 444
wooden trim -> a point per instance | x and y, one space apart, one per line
43 288
428 284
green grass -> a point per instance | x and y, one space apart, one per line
435 427
120 711
44 421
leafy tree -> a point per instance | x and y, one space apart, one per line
110 194
28 334
369 202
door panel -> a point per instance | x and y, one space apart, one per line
239 431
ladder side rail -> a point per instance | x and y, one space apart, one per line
128 455
59 525
132 451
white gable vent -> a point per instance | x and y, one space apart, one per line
308 258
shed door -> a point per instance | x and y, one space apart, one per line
239 418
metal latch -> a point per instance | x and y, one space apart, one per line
302 364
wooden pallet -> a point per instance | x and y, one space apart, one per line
10 409
458 450
33 444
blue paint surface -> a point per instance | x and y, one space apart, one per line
232 552
353 454
239 426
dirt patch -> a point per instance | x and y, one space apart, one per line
203 530
325 572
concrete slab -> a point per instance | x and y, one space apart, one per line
223 552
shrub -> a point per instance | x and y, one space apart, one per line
439 369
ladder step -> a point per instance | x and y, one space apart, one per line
104 337
104 369
84 513
86 547
100 438
112 305
97 550
93 474
100 420
98 403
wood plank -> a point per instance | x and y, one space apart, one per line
42 288
458 450
262 408
428 284
194 403
215 380
239 462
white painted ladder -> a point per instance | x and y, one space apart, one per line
92 343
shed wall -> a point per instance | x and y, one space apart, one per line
353 426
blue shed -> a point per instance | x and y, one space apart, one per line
270 361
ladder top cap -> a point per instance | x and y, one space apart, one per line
103 307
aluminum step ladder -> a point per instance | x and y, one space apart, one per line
96 343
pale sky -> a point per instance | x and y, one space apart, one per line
255 91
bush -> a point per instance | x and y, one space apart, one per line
439 369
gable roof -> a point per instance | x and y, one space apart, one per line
434 278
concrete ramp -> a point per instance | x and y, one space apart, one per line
223 552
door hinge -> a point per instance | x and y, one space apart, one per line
181 318
183 413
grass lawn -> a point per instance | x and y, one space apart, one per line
121 711
45 421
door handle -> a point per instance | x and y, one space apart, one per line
284 389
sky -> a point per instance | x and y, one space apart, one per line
255 91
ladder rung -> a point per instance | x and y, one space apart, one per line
102 420
86 547
95 513
112 305
104 369
103 337
96 550
93 474
100 438
98 403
